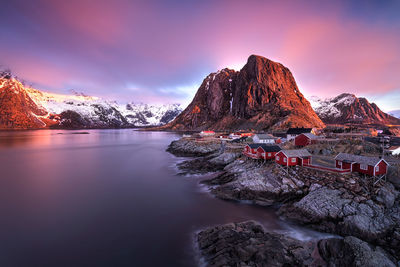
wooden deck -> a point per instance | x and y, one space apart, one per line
322 168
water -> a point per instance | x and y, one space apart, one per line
107 198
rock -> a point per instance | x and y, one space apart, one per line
198 166
189 147
320 204
225 158
248 244
330 211
387 195
314 187
352 251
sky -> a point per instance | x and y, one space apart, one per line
160 51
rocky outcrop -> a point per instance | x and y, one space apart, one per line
351 251
337 212
263 95
18 110
347 108
192 148
249 244
247 180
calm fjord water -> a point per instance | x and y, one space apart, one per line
107 198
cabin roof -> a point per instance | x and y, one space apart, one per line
311 136
299 130
266 147
296 153
372 161
265 136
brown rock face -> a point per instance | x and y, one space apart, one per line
263 95
211 104
17 109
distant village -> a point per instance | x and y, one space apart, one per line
367 152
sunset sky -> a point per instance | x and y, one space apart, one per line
160 51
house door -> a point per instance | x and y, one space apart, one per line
301 161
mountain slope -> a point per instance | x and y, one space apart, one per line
262 95
27 108
18 110
347 108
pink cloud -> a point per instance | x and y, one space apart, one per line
156 45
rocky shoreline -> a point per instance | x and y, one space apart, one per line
249 244
346 205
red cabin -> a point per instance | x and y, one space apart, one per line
372 166
295 157
250 150
261 151
267 152
305 139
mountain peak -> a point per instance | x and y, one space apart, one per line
348 108
262 95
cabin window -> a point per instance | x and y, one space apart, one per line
340 163
277 157
377 168
284 159
269 154
293 159
363 167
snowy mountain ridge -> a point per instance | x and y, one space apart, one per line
330 106
347 108
137 114
81 111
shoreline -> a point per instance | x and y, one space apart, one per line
331 204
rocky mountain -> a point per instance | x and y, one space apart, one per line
262 95
27 108
18 110
347 108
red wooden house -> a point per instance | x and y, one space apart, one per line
295 157
372 166
305 139
267 151
250 150
261 151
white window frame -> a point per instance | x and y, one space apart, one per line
340 164
293 160
277 157
269 154
284 160
364 167
377 168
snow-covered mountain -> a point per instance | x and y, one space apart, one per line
76 110
347 108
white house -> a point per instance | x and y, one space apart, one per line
264 139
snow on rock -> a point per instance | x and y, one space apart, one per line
331 107
100 112
347 108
